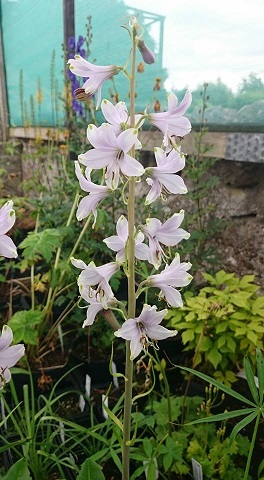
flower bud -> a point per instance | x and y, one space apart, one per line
147 54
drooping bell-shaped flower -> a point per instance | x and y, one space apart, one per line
162 178
93 276
173 276
7 220
145 330
168 234
111 152
173 123
9 356
95 304
147 55
118 242
95 74
96 193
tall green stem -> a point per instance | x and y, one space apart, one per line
131 281
32 270
250 453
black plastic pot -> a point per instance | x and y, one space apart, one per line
97 369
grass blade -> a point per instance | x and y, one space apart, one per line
218 385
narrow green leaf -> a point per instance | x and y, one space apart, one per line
113 417
243 423
217 384
251 380
261 467
223 416
260 372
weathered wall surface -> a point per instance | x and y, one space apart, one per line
239 201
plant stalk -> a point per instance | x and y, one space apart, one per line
131 281
251 448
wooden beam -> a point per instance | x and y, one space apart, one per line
68 21
236 146
4 117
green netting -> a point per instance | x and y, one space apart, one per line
32 38
111 45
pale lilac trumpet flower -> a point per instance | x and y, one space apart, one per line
145 330
93 276
174 275
162 178
168 234
173 123
95 74
96 193
118 242
95 305
9 356
117 115
7 220
111 152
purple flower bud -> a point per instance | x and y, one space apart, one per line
147 54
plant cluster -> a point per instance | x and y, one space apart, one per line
221 324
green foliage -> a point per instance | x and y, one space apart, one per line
172 452
221 324
90 470
41 245
18 471
253 412
24 325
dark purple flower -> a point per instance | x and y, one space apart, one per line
80 42
71 43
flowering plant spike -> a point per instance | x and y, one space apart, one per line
9 355
7 220
112 155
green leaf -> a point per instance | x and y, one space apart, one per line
90 471
205 344
223 277
251 380
260 468
23 324
217 384
240 299
18 471
220 417
256 326
260 372
252 337
147 447
242 424
209 278
214 357
152 470
39 245
231 343
187 336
